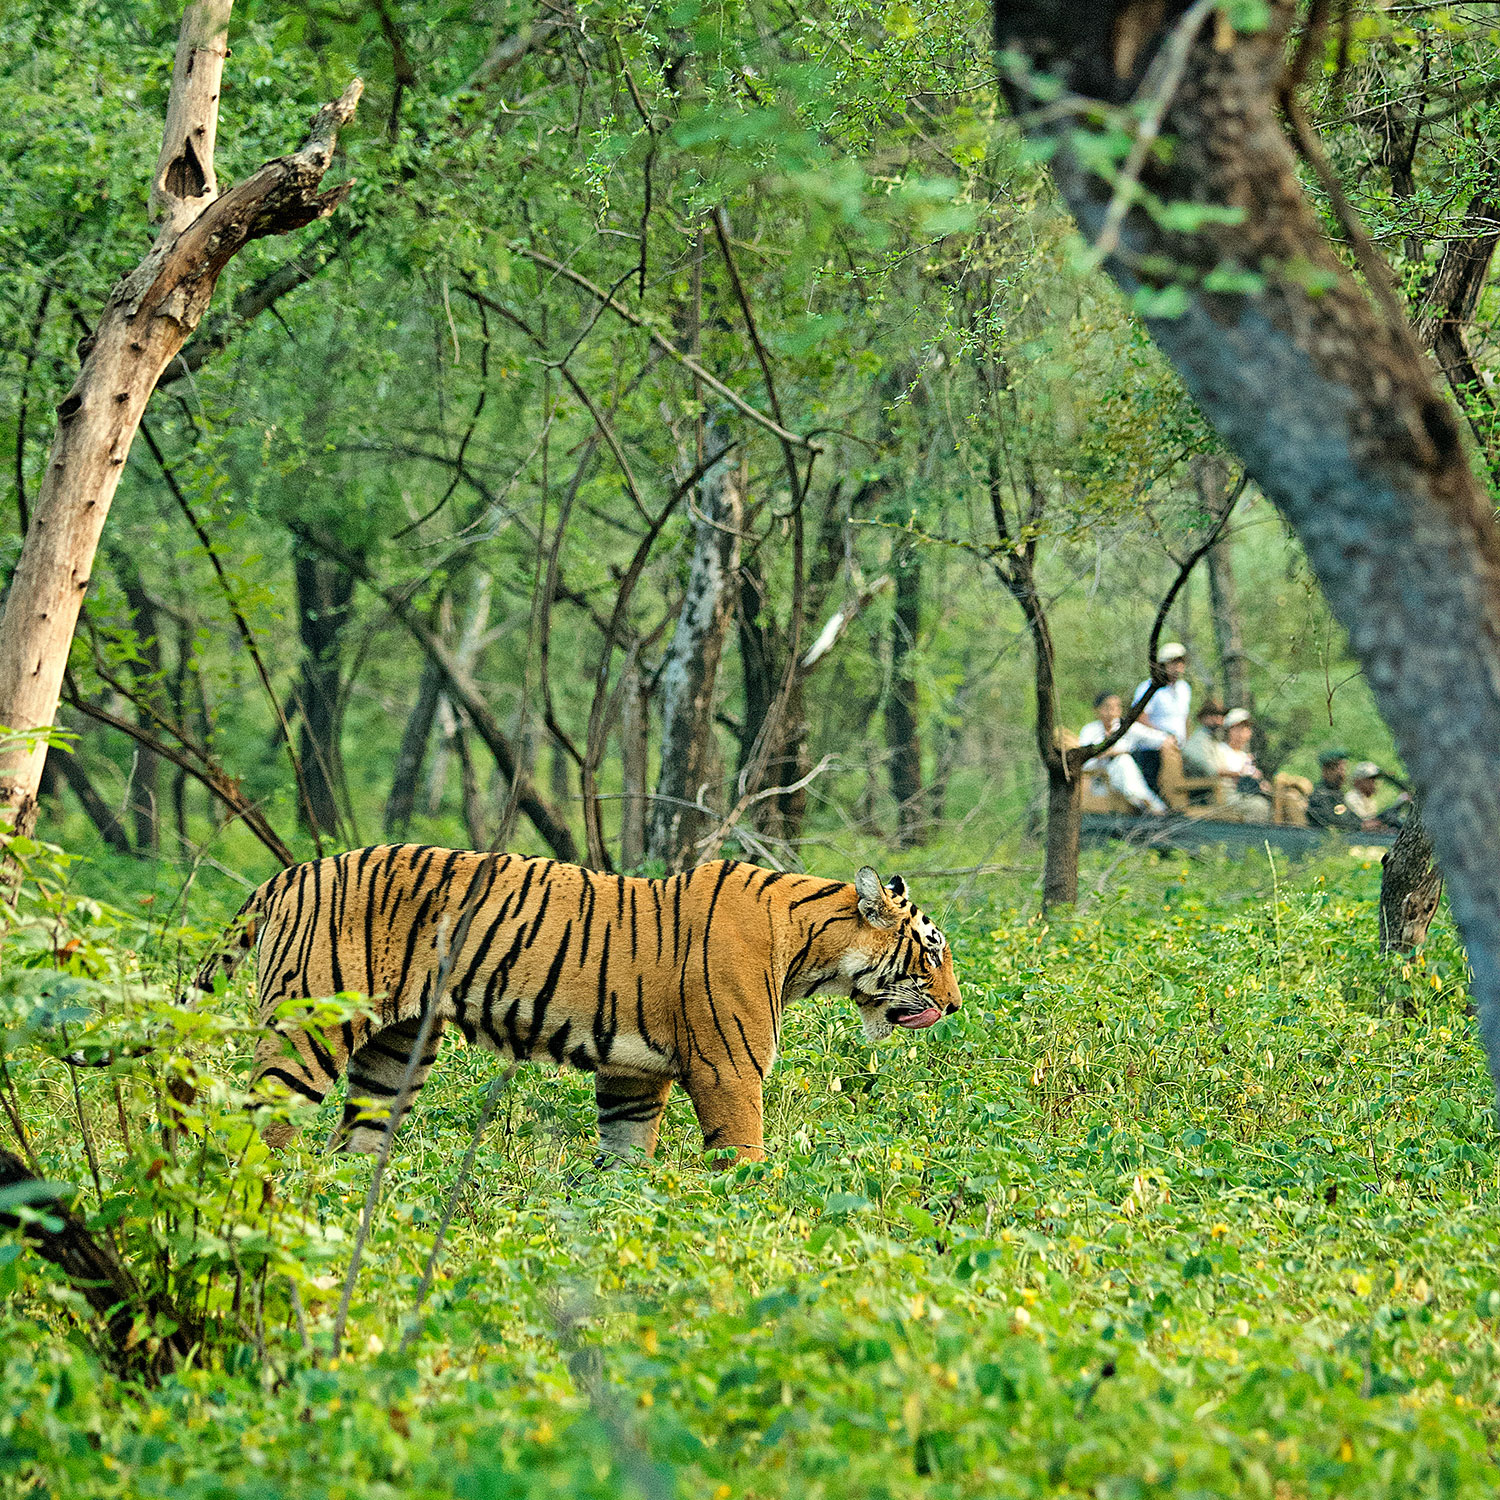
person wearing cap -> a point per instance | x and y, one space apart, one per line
1118 766
1247 793
1167 712
1360 798
1200 756
1328 807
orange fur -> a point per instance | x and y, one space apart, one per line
642 982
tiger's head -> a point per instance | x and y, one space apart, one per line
900 966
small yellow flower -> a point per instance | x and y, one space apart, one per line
1218 1231
648 1341
1346 1451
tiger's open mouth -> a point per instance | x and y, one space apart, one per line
916 1020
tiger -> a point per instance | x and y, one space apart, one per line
642 982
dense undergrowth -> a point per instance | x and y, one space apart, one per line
1194 1197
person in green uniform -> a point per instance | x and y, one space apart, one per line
1327 807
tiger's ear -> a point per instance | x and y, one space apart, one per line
897 887
874 904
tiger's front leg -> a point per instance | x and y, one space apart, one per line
630 1111
730 1111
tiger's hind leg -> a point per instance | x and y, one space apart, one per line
630 1111
375 1074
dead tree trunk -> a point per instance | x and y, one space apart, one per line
325 593
902 733
691 669
1329 403
148 317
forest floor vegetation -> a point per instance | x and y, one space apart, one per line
1195 1196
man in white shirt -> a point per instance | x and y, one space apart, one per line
1167 712
1118 765
1168 708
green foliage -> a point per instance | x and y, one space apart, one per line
1180 1203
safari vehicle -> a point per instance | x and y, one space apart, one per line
1200 815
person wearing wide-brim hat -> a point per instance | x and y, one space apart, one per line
1328 807
1360 798
1247 792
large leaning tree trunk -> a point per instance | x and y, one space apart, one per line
1329 402
691 668
147 319
1411 885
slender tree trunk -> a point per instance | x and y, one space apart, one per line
100 813
1330 404
181 671
411 752
691 669
470 800
902 735
949 746
1211 477
145 779
1064 823
325 592
148 317
634 749
460 687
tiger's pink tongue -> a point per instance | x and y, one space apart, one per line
921 1018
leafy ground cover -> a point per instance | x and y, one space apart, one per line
1194 1197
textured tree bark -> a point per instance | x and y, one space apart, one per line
148 317
1330 406
1410 884
1410 889
690 671
1064 823
902 735
412 752
325 593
